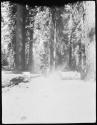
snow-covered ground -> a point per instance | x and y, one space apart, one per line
50 100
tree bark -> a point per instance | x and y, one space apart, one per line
90 45
55 46
20 38
70 52
30 63
70 55
80 57
53 41
51 55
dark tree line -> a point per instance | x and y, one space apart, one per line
43 38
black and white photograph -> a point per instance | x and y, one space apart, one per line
48 62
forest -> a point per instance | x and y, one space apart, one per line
43 39
48 62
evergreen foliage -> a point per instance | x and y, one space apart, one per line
54 37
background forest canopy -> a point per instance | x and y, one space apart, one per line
42 38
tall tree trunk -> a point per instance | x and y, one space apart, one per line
52 44
70 55
30 63
55 46
90 45
70 52
51 55
20 38
53 41
80 57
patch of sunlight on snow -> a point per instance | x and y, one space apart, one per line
51 100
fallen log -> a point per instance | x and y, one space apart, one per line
14 79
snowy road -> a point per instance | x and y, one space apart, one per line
49 100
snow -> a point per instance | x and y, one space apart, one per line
50 100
